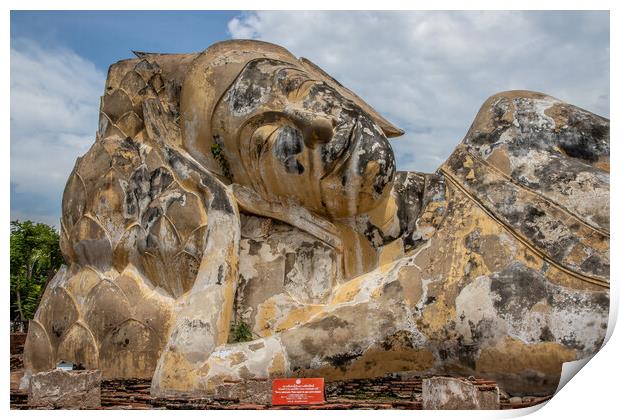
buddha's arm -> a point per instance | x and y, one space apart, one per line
203 314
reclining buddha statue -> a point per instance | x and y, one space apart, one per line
243 192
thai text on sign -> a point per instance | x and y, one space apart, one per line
297 391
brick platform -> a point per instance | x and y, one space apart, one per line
377 393
390 392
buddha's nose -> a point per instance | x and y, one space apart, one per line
315 129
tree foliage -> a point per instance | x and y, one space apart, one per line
35 258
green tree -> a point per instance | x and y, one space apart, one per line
35 258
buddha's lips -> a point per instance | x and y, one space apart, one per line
344 154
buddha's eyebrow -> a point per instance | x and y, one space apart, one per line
299 74
298 71
293 68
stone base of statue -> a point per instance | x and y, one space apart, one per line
442 393
80 389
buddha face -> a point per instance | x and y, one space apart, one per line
289 136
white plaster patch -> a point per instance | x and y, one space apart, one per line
523 164
587 195
475 304
256 362
576 320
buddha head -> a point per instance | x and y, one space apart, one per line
255 115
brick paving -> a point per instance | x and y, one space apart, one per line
373 394
389 392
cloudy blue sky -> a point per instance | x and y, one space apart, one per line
428 72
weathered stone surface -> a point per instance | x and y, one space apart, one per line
244 187
250 391
442 393
65 389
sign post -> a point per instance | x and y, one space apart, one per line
297 391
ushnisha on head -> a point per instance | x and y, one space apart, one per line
255 115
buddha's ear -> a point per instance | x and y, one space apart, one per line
389 129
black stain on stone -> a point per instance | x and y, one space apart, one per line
453 351
392 290
480 139
532 214
251 85
293 166
160 180
330 323
342 360
151 242
289 263
472 241
594 265
377 149
289 143
518 288
374 235
430 300
309 346
137 193
557 174
572 343
483 330
57 331
338 144
468 354
150 216
586 139
220 274
601 301
534 222
255 247
219 198
409 190
546 334
398 340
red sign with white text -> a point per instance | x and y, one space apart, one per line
297 391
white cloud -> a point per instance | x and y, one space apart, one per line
54 111
429 72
